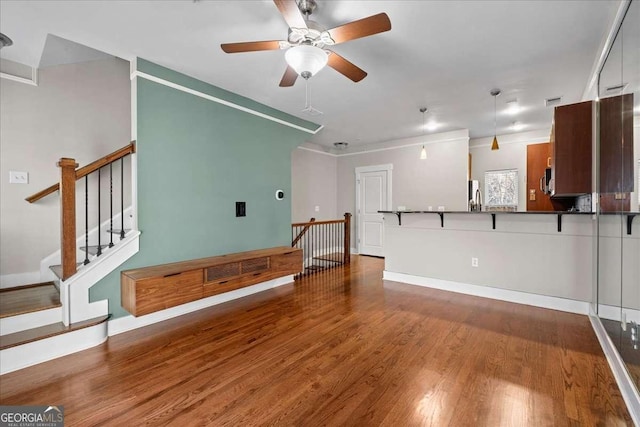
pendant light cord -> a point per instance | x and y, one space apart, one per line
495 121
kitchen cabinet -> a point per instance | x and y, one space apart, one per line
571 148
616 145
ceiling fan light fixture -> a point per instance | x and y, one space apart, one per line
306 60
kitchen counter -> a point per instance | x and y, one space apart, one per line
629 215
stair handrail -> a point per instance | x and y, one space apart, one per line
344 228
306 226
69 174
86 170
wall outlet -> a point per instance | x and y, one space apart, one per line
474 262
16 177
317 209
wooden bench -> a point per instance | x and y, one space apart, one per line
149 289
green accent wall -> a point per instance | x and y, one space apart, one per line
196 158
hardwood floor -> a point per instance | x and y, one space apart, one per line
342 347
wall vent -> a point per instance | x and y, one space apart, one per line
552 102
616 88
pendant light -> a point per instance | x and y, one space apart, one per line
423 152
494 144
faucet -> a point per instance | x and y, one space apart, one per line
478 200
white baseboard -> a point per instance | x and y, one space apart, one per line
611 312
128 323
518 297
19 279
22 322
625 384
22 356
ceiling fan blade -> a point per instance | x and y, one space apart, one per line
291 13
289 77
250 46
361 28
345 67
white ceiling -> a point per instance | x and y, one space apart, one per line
445 55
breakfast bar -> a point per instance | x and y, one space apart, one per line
536 258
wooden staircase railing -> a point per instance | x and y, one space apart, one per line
325 244
69 174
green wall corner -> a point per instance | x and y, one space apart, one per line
195 159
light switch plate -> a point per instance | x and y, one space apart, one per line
317 208
17 177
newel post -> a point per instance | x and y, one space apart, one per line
347 238
68 216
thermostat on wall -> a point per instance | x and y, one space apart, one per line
279 194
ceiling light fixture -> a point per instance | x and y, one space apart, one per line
517 126
5 41
512 107
494 144
341 145
423 152
306 60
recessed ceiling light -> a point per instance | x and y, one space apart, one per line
341 145
512 107
432 125
517 126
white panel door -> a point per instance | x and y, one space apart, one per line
373 197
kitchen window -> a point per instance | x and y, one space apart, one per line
501 190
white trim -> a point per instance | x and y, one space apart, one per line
74 292
128 323
625 384
608 43
374 168
518 297
221 101
22 322
32 82
317 151
134 137
611 312
414 144
22 356
19 279
364 169
530 141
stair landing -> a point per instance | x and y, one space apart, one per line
332 257
29 298
47 331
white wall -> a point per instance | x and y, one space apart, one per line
511 155
440 180
524 253
80 111
313 183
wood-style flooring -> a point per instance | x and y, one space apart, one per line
342 347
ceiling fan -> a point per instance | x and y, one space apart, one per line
307 40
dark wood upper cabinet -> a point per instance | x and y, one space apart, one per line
572 139
538 160
616 144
